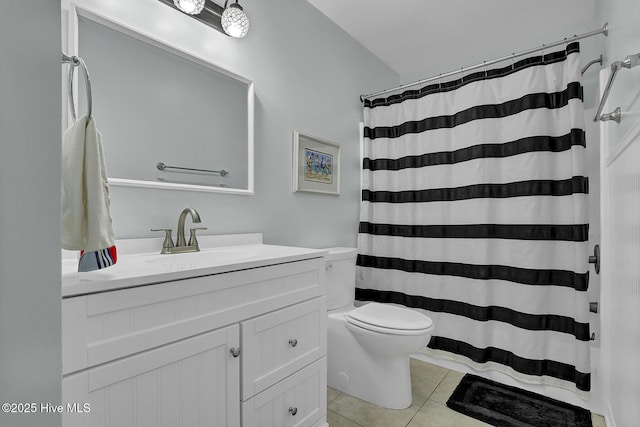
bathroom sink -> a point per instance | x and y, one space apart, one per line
204 257
141 263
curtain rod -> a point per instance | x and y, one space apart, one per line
604 30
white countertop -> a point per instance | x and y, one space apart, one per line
138 266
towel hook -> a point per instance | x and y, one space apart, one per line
76 61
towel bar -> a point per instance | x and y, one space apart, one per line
161 166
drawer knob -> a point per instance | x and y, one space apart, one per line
293 342
235 352
293 410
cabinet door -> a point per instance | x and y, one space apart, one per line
193 382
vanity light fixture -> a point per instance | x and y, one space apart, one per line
230 20
190 7
234 20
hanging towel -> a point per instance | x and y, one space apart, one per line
86 212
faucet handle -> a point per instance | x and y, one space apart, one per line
193 241
168 240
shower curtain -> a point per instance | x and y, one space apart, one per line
474 209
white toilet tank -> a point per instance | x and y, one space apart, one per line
340 277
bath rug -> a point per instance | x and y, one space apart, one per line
501 405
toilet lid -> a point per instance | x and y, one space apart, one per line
389 318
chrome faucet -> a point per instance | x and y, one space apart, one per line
181 245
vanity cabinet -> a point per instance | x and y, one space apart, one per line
244 347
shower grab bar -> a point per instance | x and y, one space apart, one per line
590 63
76 61
616 115
161 166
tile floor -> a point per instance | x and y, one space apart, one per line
432 385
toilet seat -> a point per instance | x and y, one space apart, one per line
389 319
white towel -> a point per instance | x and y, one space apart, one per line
86 212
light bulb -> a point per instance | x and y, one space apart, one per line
235 21
190 7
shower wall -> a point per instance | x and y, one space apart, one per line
620 313
621 299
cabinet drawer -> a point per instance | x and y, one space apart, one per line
107 326
280 343
298 400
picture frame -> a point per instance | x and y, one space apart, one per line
316 165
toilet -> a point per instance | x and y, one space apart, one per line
369 346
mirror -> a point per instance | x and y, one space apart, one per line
168 119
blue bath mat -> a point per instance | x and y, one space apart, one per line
504 406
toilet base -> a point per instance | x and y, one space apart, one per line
383 381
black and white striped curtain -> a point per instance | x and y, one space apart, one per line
474 208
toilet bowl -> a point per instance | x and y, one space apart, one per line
369 346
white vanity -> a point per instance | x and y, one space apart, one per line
232 335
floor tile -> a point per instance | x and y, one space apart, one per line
370 415
435 382
425 377
337 420
598 420
332 393
434 414
446 387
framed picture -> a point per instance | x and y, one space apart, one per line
316 164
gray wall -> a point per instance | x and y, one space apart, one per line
308 75
30 355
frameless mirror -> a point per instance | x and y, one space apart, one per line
168 119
